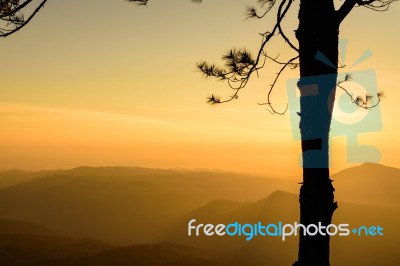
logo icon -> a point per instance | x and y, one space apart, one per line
348 119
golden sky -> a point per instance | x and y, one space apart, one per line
116 84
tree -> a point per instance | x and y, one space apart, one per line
12 13
12 16
318 36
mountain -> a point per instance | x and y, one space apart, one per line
125 205
10 178
12 227
15 177
283 207
23 243
369 183
118 171
158 254
137 205
279 206
33 249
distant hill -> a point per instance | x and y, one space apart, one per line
369 183
125 205
10 178
159 254
21 250
138 205
118 171
15 177
24 243
283 207
278 206
11 227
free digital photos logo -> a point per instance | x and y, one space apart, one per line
251 230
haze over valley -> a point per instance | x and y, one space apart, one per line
88 215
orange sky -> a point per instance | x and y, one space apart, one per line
115 84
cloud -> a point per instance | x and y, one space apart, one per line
20 109
186 128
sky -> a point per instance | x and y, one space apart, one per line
107 82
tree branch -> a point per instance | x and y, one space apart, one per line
361 102
345 9
20 24
239 64
348 5
279 19
14 11
288 63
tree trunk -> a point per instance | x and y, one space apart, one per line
318 34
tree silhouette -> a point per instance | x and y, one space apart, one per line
12 13
318 36
12 16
